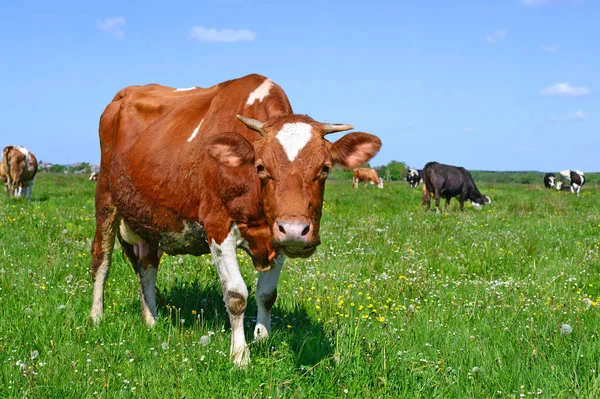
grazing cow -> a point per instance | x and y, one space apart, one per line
93 176
576 178
560 186
549 180
367 175
19 167
210 170
448 181
414 177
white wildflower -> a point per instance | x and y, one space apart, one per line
566 329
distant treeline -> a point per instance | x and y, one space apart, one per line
396 170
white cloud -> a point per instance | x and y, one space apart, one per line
565 89
578 115
203 34
493 37
551 48
114 27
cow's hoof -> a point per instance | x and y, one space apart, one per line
260 333
242 358
149 320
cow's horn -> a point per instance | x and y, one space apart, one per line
488 198
336 127
252 124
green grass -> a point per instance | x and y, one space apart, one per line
397 302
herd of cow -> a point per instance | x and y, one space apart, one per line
210 170
576 180
447 181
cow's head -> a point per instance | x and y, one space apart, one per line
551 181
479 201
292 160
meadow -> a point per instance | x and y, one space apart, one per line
396 302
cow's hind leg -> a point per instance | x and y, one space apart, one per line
145 260
266 294
235 293
102 249
437 201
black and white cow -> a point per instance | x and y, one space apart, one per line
448 181
576 178
414 177
549 180
560 186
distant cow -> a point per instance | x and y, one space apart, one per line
368 175
93 176
212 170
19 167
414 177
448 181
549 180
560 186
576 178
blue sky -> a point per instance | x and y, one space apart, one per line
489 85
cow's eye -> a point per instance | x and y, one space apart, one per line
325 171
262 172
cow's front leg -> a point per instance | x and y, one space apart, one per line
266 294
235 293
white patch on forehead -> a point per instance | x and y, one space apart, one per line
185 89
260 92
293 137
195 132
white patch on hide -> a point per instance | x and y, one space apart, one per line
260 92
293 137
566 173
128 235
185 89
195 132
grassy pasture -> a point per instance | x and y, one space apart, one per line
397 302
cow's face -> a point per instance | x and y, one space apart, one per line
480 202
292 161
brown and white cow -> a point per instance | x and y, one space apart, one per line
18 170
210 170
93 176
368 175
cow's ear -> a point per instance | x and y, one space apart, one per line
231 149
354 149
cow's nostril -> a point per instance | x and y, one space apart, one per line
281 229
306 230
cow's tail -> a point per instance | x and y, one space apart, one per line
425 173
5 160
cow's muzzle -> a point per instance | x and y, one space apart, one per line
296 237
